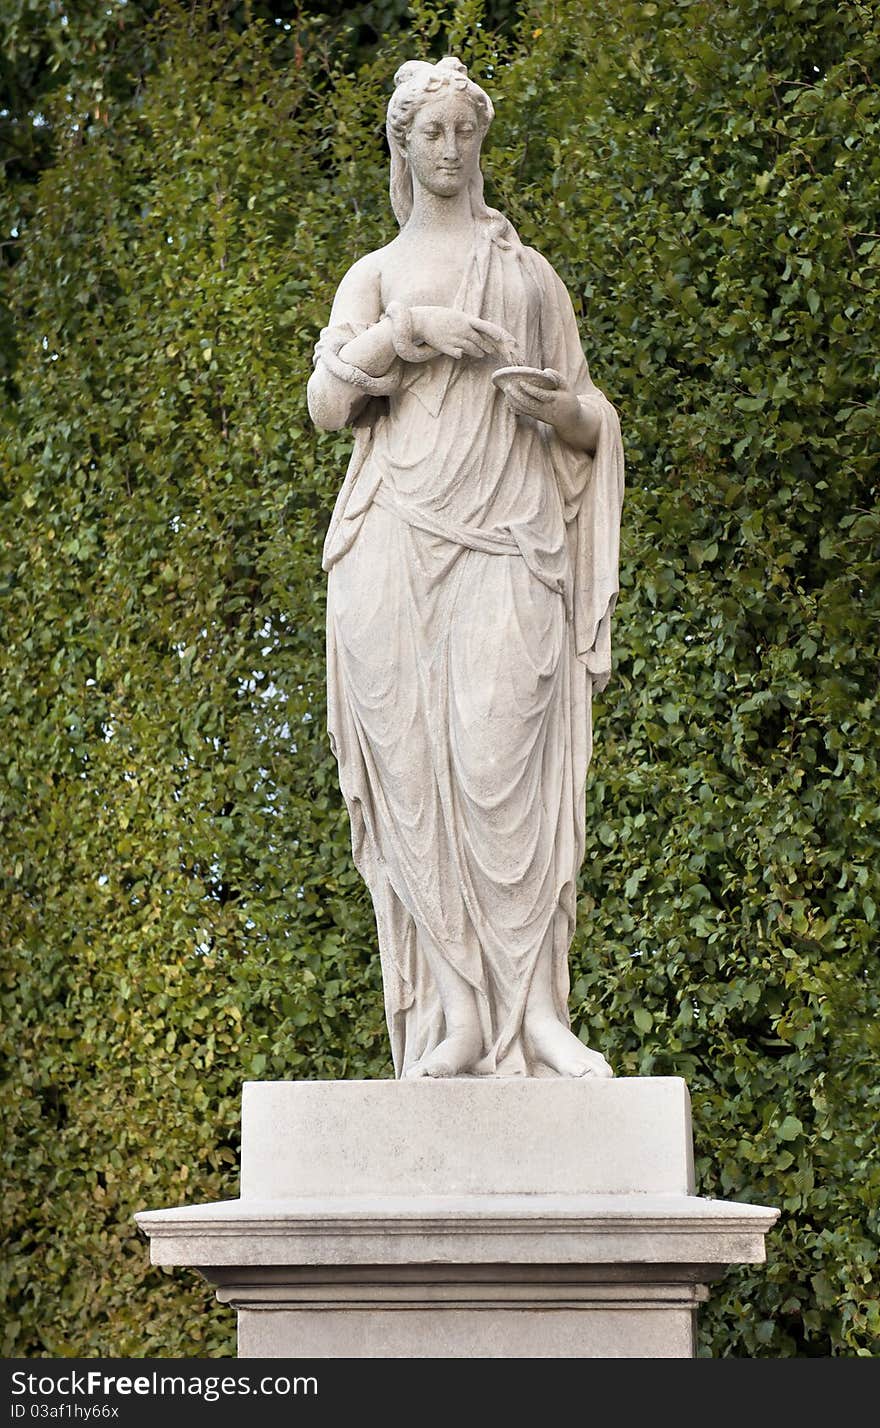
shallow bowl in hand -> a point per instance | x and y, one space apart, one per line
504 377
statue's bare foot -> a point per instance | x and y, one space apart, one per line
454 1056
560 1049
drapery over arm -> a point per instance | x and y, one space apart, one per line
337 388
591 486
362 410
342 394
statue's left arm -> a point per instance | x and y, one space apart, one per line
574 408
587 460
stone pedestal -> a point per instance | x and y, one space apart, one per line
470 1218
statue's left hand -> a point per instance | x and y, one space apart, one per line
559 406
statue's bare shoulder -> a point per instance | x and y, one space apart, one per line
359 295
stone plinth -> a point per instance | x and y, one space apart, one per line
464 1218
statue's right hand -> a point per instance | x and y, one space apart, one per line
457 334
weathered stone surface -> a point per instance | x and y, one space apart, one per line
466 1137
472 573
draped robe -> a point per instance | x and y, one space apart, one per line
472 559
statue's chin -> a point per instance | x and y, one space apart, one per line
446 185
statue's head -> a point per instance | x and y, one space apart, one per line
437 119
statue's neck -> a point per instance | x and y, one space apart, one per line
445 217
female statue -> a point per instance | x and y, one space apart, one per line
472 559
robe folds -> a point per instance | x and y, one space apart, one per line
472 559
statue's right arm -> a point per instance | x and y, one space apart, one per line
333 402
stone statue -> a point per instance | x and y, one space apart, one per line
472 559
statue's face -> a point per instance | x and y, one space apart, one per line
443 144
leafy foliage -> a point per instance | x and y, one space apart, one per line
180 907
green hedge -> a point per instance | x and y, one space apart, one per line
179 904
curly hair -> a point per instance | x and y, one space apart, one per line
417 79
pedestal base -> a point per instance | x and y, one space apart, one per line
510 1311
465 1218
